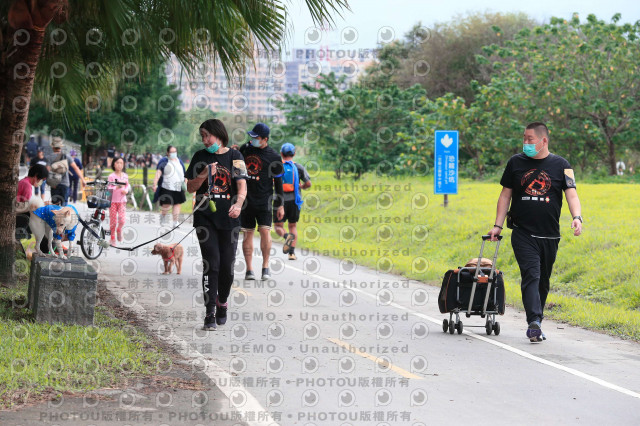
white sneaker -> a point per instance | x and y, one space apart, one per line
175 224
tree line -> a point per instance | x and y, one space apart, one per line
486 76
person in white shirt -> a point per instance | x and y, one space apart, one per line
168 185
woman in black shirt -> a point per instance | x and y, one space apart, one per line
218 174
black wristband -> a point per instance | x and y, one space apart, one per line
497 226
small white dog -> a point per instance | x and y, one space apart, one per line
43 220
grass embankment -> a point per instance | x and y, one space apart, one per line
39 360
596 278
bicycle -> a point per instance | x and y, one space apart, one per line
90 244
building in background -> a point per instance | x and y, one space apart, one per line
265 84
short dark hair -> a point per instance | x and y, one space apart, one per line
216 128
39 171
169 148
540 128
113 164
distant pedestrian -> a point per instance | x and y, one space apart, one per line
118 209
74 178
111 154
32 148
59 166
294 173
169 184
41 160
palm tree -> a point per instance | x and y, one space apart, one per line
69 53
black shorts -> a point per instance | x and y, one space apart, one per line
252 214
167 196
291 213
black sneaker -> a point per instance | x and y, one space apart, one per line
288 240
249 276
221 313
265 274
534 333
209 322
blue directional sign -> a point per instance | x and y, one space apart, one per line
445 171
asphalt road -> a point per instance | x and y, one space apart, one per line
326 341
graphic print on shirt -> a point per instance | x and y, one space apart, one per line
536 184
254 166
221 182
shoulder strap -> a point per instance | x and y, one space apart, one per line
162 163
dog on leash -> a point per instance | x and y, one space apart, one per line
171 254
54 222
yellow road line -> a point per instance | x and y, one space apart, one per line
382 363
239 290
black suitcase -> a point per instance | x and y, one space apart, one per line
456 291
475 291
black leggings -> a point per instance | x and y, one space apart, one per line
218 247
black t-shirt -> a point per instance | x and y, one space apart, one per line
263 165
230 168
537 187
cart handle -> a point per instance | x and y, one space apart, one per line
488 237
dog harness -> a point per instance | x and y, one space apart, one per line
46 213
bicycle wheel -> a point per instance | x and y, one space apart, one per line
89 243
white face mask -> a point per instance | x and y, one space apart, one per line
40 182
173 155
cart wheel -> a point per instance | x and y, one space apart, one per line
445 325
488 328
452 327
459 327
496 328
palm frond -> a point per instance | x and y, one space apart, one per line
114 35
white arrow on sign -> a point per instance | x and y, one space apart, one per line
446 141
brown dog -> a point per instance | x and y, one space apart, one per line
171 253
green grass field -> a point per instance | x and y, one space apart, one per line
47 359
399 225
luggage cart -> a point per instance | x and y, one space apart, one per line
480 279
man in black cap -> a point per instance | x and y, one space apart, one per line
265 170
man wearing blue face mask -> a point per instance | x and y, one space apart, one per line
265 169
533 182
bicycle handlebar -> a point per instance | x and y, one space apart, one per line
105 182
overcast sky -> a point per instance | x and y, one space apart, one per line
372 20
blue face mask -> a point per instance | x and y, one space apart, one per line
255 143
530 150
173 155
213 148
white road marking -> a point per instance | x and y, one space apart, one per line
501 345
218 375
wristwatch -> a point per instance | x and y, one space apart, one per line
578 217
